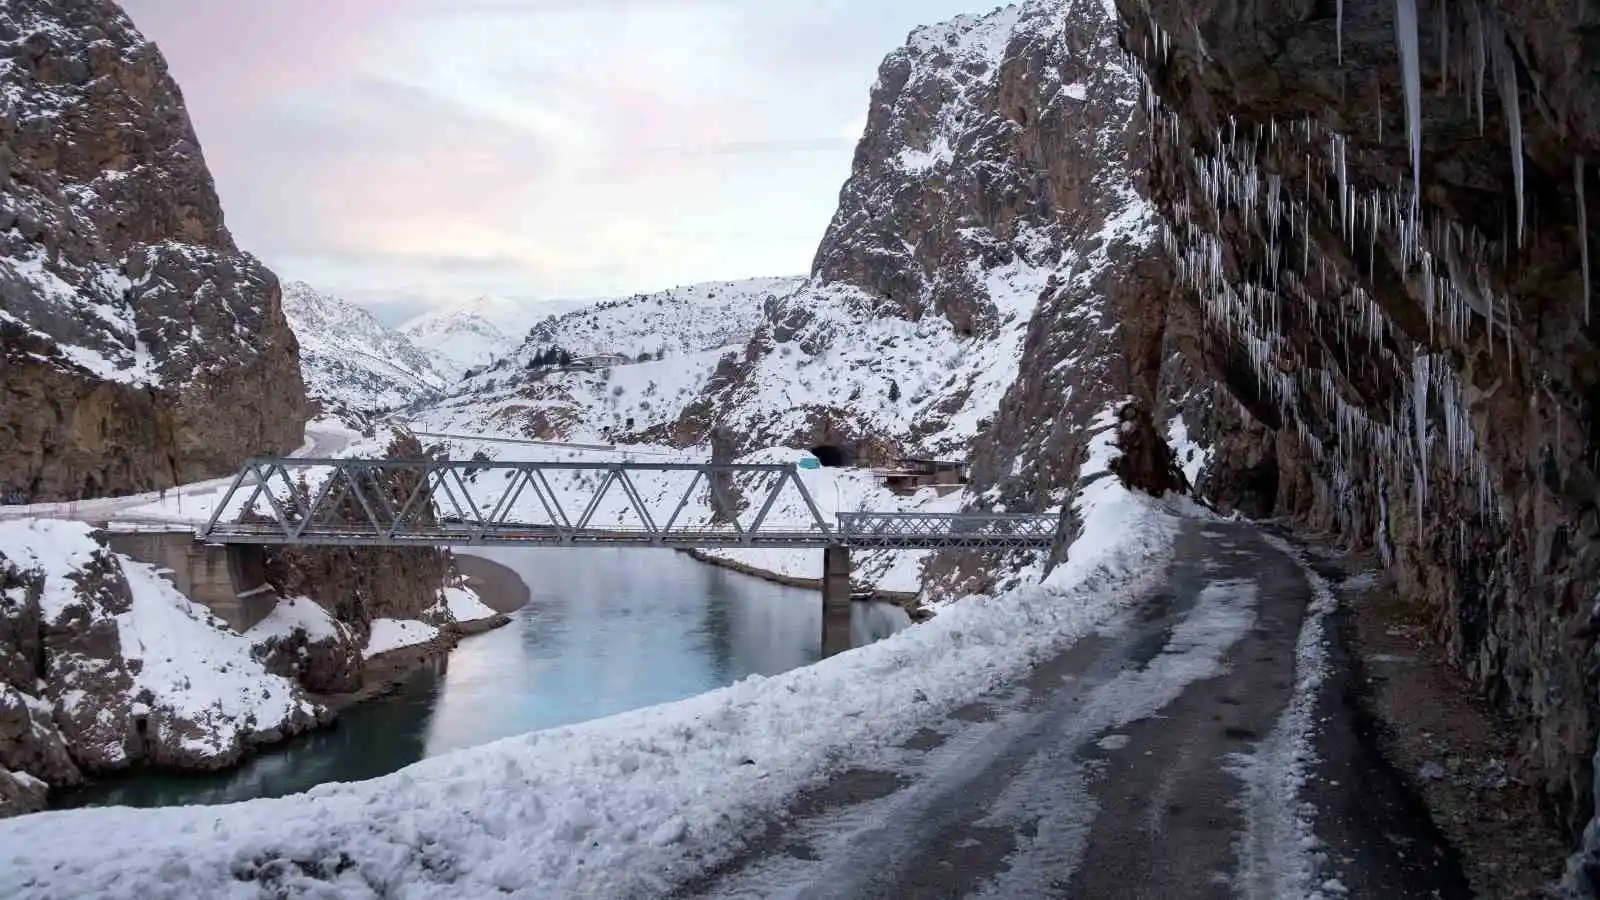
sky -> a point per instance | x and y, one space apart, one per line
411 153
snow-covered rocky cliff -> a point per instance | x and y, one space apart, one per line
140 347
962 303
1379 221
350 360
104 665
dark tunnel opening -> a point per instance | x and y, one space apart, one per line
830 456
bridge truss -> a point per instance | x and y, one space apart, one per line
429 502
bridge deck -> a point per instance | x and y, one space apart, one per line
513 535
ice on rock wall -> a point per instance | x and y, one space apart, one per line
1443 260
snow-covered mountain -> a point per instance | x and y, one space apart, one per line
350 360
973 298
674 341
476 332
141 346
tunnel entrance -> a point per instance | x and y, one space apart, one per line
1258 490
830 456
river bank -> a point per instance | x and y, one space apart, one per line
495 585
908 601
605 631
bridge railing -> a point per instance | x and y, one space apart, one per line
976 530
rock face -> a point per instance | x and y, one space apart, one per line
1414 356
139 347
989 230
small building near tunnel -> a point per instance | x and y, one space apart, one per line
911 475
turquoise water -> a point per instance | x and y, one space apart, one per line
605 630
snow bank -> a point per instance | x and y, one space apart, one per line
464 605
396 634
296 614
618 807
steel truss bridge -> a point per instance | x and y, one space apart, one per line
429 502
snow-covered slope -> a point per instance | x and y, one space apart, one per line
686 331
476 332
673 322
350 360
118 668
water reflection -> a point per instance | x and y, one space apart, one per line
606 630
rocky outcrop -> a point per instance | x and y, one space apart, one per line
83 688
980 215
359 584
322 663
1379 248
139 347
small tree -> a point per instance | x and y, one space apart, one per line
564 358
894 392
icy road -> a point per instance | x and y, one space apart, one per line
1165 758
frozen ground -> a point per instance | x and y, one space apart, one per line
613 808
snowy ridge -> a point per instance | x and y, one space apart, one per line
352 361
627 806
921 384
673 322
476 332
686 332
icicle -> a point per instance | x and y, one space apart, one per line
1511 104
1419 411
1479 60
1405 24
1338 18
1583 231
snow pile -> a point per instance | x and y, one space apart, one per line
463 605
196 679
625 806
294 614
352 361
397 634
1279 852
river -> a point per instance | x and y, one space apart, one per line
604 631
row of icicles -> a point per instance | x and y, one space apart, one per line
1447 260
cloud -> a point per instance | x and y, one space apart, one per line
553 147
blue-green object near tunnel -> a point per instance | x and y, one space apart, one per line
810 462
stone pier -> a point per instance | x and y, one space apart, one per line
835 600
230 580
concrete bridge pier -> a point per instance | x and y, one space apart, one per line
228 579
835 600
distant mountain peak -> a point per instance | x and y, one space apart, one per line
351 361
